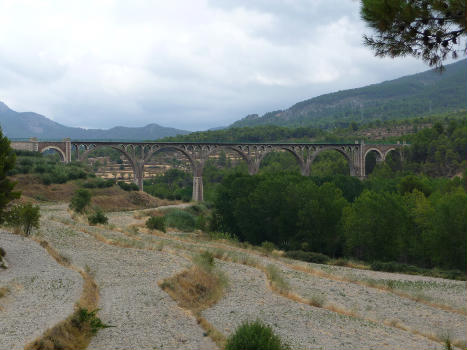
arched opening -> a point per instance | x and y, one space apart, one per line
394 160
53 153
279 161
168 173
372 158
330 162
107 162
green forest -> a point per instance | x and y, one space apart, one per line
409 212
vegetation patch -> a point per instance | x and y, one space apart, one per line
98 218
23 217
276 279
75 331
255 335
156 223
180 219
198 288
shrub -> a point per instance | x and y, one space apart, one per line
268 246
97 218
80 200
156 223
204 260
201 222
276 279
180 219
84 318
128 187
313 257
24 217
254 336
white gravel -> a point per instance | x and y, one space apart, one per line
42 292
302 326
144 316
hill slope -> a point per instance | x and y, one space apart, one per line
29 124
415 95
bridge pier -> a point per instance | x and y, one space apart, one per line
198 195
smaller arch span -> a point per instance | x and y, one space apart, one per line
55 148
381 155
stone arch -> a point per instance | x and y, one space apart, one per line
55 148
341 150
381 155
392 149
174 148
92 147
370 163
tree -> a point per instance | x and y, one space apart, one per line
426 29
24 217
7 163
80 200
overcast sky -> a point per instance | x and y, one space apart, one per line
189 64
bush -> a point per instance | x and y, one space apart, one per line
268 246
24 217
392 266
313 257
128 187
254 336
80 200
204 260
97 218
180 219
156 223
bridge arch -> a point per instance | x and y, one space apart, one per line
341 150
54 148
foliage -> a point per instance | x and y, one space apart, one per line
84 318
253 336
180 219
48 168
156 223
98 218
7 164
174 184
204 260
80 200
128 186
426 29
313 257
99 183
24 216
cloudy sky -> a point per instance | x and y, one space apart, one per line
190 64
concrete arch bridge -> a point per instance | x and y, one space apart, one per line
139 153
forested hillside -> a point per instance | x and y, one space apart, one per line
416 95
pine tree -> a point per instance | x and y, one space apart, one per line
7 163
428 29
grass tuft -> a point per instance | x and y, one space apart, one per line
276 279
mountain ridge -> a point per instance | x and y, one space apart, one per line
29 124
413 95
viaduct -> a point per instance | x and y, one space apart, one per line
139 153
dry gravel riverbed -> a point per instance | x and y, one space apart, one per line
127 265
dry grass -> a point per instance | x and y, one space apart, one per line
4 291
30 186
197 289
72 333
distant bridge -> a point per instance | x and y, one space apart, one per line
139 153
